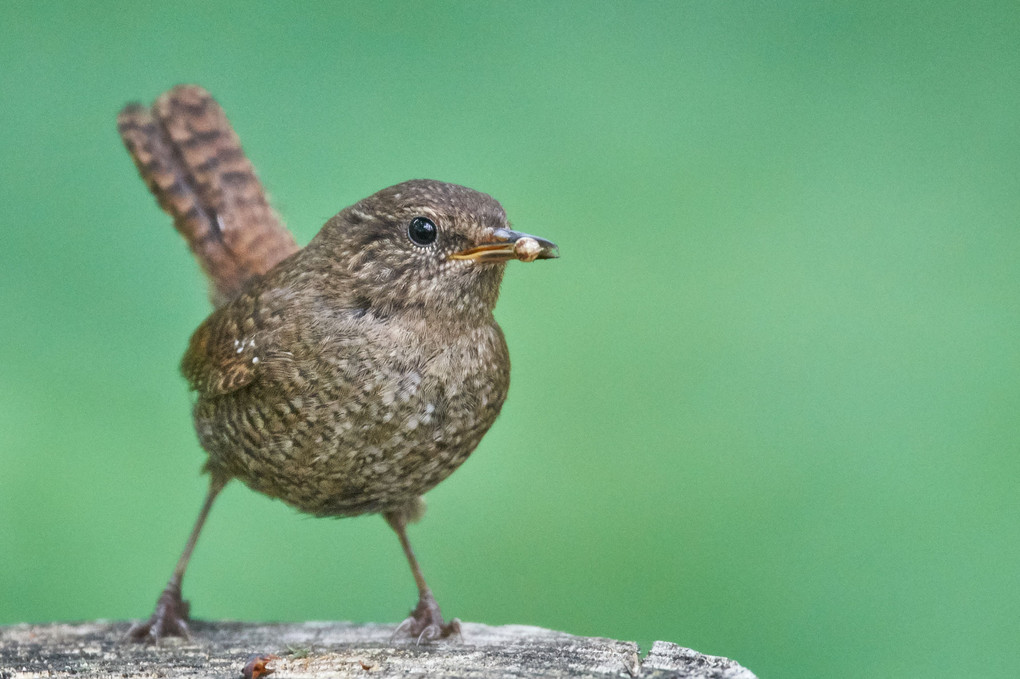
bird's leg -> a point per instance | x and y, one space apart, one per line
426 620
171 615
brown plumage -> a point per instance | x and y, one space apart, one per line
191 159
345 378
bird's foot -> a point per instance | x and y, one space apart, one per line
426 623
169 619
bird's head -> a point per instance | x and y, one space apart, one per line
427 246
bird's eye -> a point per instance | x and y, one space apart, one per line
422 231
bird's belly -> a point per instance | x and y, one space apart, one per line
342 454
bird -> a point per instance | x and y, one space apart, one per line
347 377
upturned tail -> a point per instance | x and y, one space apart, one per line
191 159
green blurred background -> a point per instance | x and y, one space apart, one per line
766 405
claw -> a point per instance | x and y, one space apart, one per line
439 631
425 624
169 619
402 628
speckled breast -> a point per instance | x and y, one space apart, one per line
352 429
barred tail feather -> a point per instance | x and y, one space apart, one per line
191 159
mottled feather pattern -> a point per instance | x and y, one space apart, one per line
192 160
328 409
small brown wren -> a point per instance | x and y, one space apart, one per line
344 378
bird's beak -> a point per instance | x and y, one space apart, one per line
507 245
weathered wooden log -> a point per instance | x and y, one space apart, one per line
336 649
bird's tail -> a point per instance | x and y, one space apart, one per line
191 159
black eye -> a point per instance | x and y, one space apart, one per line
422 231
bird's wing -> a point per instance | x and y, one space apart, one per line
236 345
220 359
